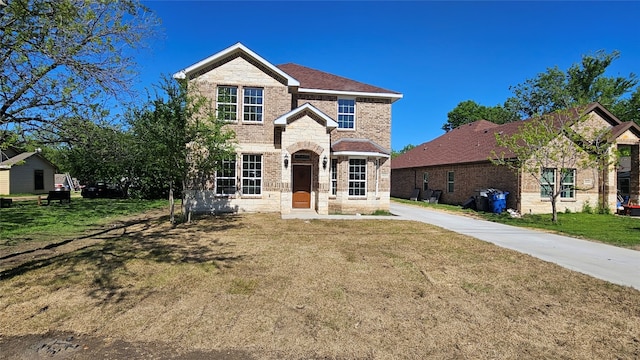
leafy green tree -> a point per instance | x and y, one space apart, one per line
469 111
100 152
181 138
551 147
582 83
64 59
395 154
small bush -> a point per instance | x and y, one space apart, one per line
586 208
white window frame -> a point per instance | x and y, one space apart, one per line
252 174
569 186
361 178
333 172
346 113
226 174
547 182
252 105
233 115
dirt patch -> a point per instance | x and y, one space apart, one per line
258 286
82 347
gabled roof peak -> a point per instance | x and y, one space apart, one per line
230 51
284 119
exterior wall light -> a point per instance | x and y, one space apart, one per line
324 162
286 160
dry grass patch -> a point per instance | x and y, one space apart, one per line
291 289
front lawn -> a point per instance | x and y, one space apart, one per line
267 288
26 221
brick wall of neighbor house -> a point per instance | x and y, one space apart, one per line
586 182
468 179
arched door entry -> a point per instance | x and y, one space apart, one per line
301 187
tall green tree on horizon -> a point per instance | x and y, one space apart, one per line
469 111
555 89
582 83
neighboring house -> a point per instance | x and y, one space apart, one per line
25 172
457 163
306 139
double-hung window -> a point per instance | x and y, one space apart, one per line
253 99
226 178
346 113
568 184
227 103
357 177
547 182
450 181
334 176
251 174
425 181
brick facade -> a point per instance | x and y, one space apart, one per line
309 133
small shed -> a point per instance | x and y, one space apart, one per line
25 172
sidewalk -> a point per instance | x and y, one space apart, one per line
614 264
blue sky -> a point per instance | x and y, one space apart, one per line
436 54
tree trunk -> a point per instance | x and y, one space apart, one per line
554 211
171 204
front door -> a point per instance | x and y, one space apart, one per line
301 186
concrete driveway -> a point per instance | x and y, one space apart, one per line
606 262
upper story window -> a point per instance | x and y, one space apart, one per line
227 103
346 113
253 99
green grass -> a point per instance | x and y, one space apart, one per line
26 221
611 229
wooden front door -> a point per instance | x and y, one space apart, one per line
301 186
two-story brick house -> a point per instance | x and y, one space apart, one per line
306 139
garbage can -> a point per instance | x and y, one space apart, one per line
498 201
482 200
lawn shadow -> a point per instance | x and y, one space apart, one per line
146 239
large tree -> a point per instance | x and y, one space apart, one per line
64 59
100 152
469 111
182 138
582 83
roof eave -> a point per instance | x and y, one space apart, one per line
360 153
393 96
183 74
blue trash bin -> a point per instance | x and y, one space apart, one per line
498 201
